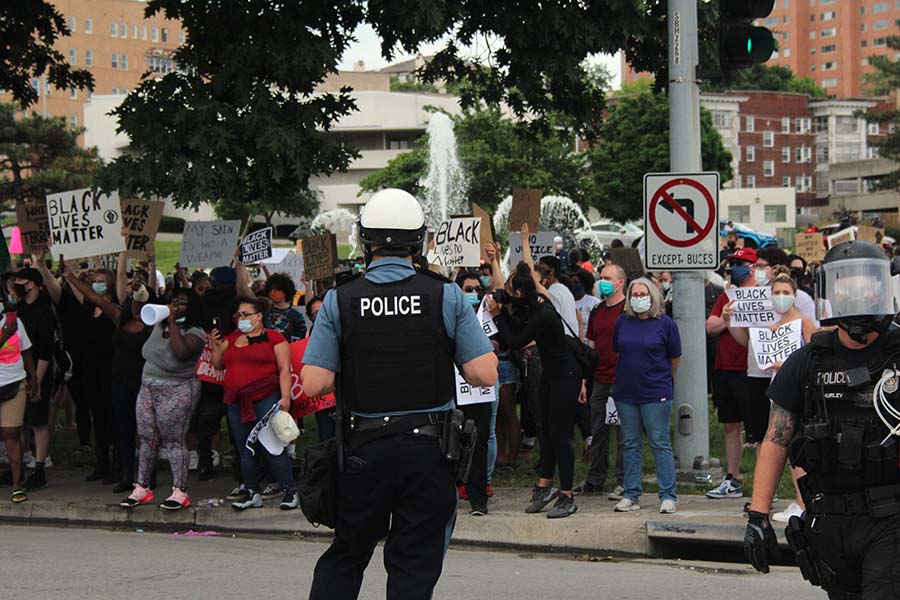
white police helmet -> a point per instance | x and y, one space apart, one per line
392 222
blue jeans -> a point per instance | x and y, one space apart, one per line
652 417
280 465
492 440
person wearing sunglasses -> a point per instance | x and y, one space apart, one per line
170 391
257 363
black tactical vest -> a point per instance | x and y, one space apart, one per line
395 351
839 439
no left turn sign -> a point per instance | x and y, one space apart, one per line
680 221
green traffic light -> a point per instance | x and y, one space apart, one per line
749 45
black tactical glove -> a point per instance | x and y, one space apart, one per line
759 541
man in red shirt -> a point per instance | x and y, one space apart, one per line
733 395
603 317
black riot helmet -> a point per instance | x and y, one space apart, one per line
855 289
392 224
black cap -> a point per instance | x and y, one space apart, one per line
31 274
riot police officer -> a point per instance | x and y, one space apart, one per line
387 342
835 414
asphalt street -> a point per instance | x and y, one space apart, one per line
44 563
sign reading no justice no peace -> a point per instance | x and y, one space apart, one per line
680 221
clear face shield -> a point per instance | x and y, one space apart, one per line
855 288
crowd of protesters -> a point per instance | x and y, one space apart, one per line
138 395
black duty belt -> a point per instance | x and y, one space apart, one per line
366 429
878 502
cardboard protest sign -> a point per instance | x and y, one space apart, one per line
84 223
771 347
844 235
487 229
140 218
292 265
526 208
457 243
301 404
209 243
466 393
752 306
873 235
541 244
205 369
630 260
257 246
320 256
810 246
34 228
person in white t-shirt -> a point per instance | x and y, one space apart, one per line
585 301
16 384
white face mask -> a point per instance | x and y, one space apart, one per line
641 305
759 275
782 302
665 286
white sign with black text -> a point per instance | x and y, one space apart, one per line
209 243
773 346
752 306
466 393
84 223
457 243
541 244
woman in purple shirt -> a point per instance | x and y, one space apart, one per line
649 350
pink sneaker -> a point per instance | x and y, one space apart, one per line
140 495
178 500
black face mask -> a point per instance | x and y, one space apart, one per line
798 273
732 244
859 328
20 290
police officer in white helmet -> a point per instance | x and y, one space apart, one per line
386 342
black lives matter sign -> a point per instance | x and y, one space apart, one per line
257 246
84 223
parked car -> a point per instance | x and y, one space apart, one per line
751 238
604 232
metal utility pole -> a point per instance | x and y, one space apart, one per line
691 411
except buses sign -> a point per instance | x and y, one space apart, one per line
680 216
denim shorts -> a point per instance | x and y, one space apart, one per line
508 373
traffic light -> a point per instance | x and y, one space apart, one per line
741 44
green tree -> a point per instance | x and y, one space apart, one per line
29 30
403 171
886 80
635 140
769 78
40 156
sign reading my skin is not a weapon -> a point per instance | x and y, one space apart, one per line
457 243
256 246
84 223
209 243
140 218
752 306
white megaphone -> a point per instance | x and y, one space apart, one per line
152 314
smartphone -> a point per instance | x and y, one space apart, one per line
216 323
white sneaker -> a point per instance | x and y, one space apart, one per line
255 501
215 458
48 463
627 505
616 494
793 510
29 460
193 461
667 507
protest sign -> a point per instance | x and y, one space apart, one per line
34 228
844 235
487 229
466 393
292 265
140 218
774 346
810 246
457 243
257 246
872 235
205 369
541 244
84 223
320 256
486 320
278 255
525 209
301 404
209 243
752 306
630 261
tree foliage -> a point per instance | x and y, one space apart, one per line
769 78
634 141
40 156
884 80
29 30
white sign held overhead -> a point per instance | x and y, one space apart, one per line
541 244
209 243
680 221
83 224
457 243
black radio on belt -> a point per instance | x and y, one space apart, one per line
858 377
818 430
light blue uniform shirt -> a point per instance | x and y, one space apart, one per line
459 320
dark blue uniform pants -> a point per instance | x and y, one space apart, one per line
400 487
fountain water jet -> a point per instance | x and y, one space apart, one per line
445 183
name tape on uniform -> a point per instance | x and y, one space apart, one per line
752 306
774 346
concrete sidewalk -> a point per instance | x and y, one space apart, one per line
595 529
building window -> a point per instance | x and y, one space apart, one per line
785 124
880 7
812 34
891 128
822 153
115 61
159 64
155 36
143 32
828 48
73 121
821 124
785 3
73 93
89 58
879 42
830 32
165 35
114 30
749 124
786 52
89 94
873 129
863 44
786 181
785 19
880 24
134 31
73 56
775 213
785 36
750 153
71 22
829 66
862 27
115 91
786 154
751 183
89 25
123 30
802 124
741 214
768 139
871 152
36 86
768 168
828 16
830 82
398 144
718 118
123 61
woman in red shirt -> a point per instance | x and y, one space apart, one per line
257 363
